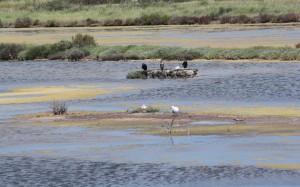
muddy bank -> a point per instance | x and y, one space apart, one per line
184 124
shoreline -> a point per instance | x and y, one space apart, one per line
255 60
185 124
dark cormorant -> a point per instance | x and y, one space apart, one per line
184 64
144 66
161 65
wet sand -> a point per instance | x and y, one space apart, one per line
153 123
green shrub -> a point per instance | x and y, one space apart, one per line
60 46
22 55
231 54
298 57
117 57
36 52
270 55
10 51
263 18
1 24
114 22
51 23
57 56
285 18
58 108
199 52
289 55
36 22
81 40
213 54
23 22
75 54
149 109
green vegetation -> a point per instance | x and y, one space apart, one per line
71 13
83 46
148 109
58 108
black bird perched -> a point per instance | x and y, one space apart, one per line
161 65
144 66
184 64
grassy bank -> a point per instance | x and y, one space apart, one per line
70 13
84 46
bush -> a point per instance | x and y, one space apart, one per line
115 22
75 55
149 109
216 15
90 22
297 45
23 22
289 55
36 22
60 46
184 57
241 19
117 57
10 51
151 19
285 18
51 23
263 18
36 52
58 108
1 24
213 54
57 56
204 20
270 55
231 54
81 40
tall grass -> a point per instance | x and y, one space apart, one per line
10 10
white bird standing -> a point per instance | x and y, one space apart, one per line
175 110
177 67
143 106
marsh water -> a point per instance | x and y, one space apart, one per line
33 155
183 36
223 84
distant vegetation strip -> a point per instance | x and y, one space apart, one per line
84 46
79 13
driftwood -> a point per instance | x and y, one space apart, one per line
165 74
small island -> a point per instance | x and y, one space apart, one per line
165 74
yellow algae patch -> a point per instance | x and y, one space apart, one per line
50 93
230 129
44 151
252 111
282 166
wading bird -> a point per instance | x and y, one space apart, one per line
177 67
144 66
184 64
143 106
161 65
175 110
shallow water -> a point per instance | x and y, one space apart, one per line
184 36
216 85
81 156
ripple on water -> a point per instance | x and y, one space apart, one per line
43 171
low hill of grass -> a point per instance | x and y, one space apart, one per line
75 13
